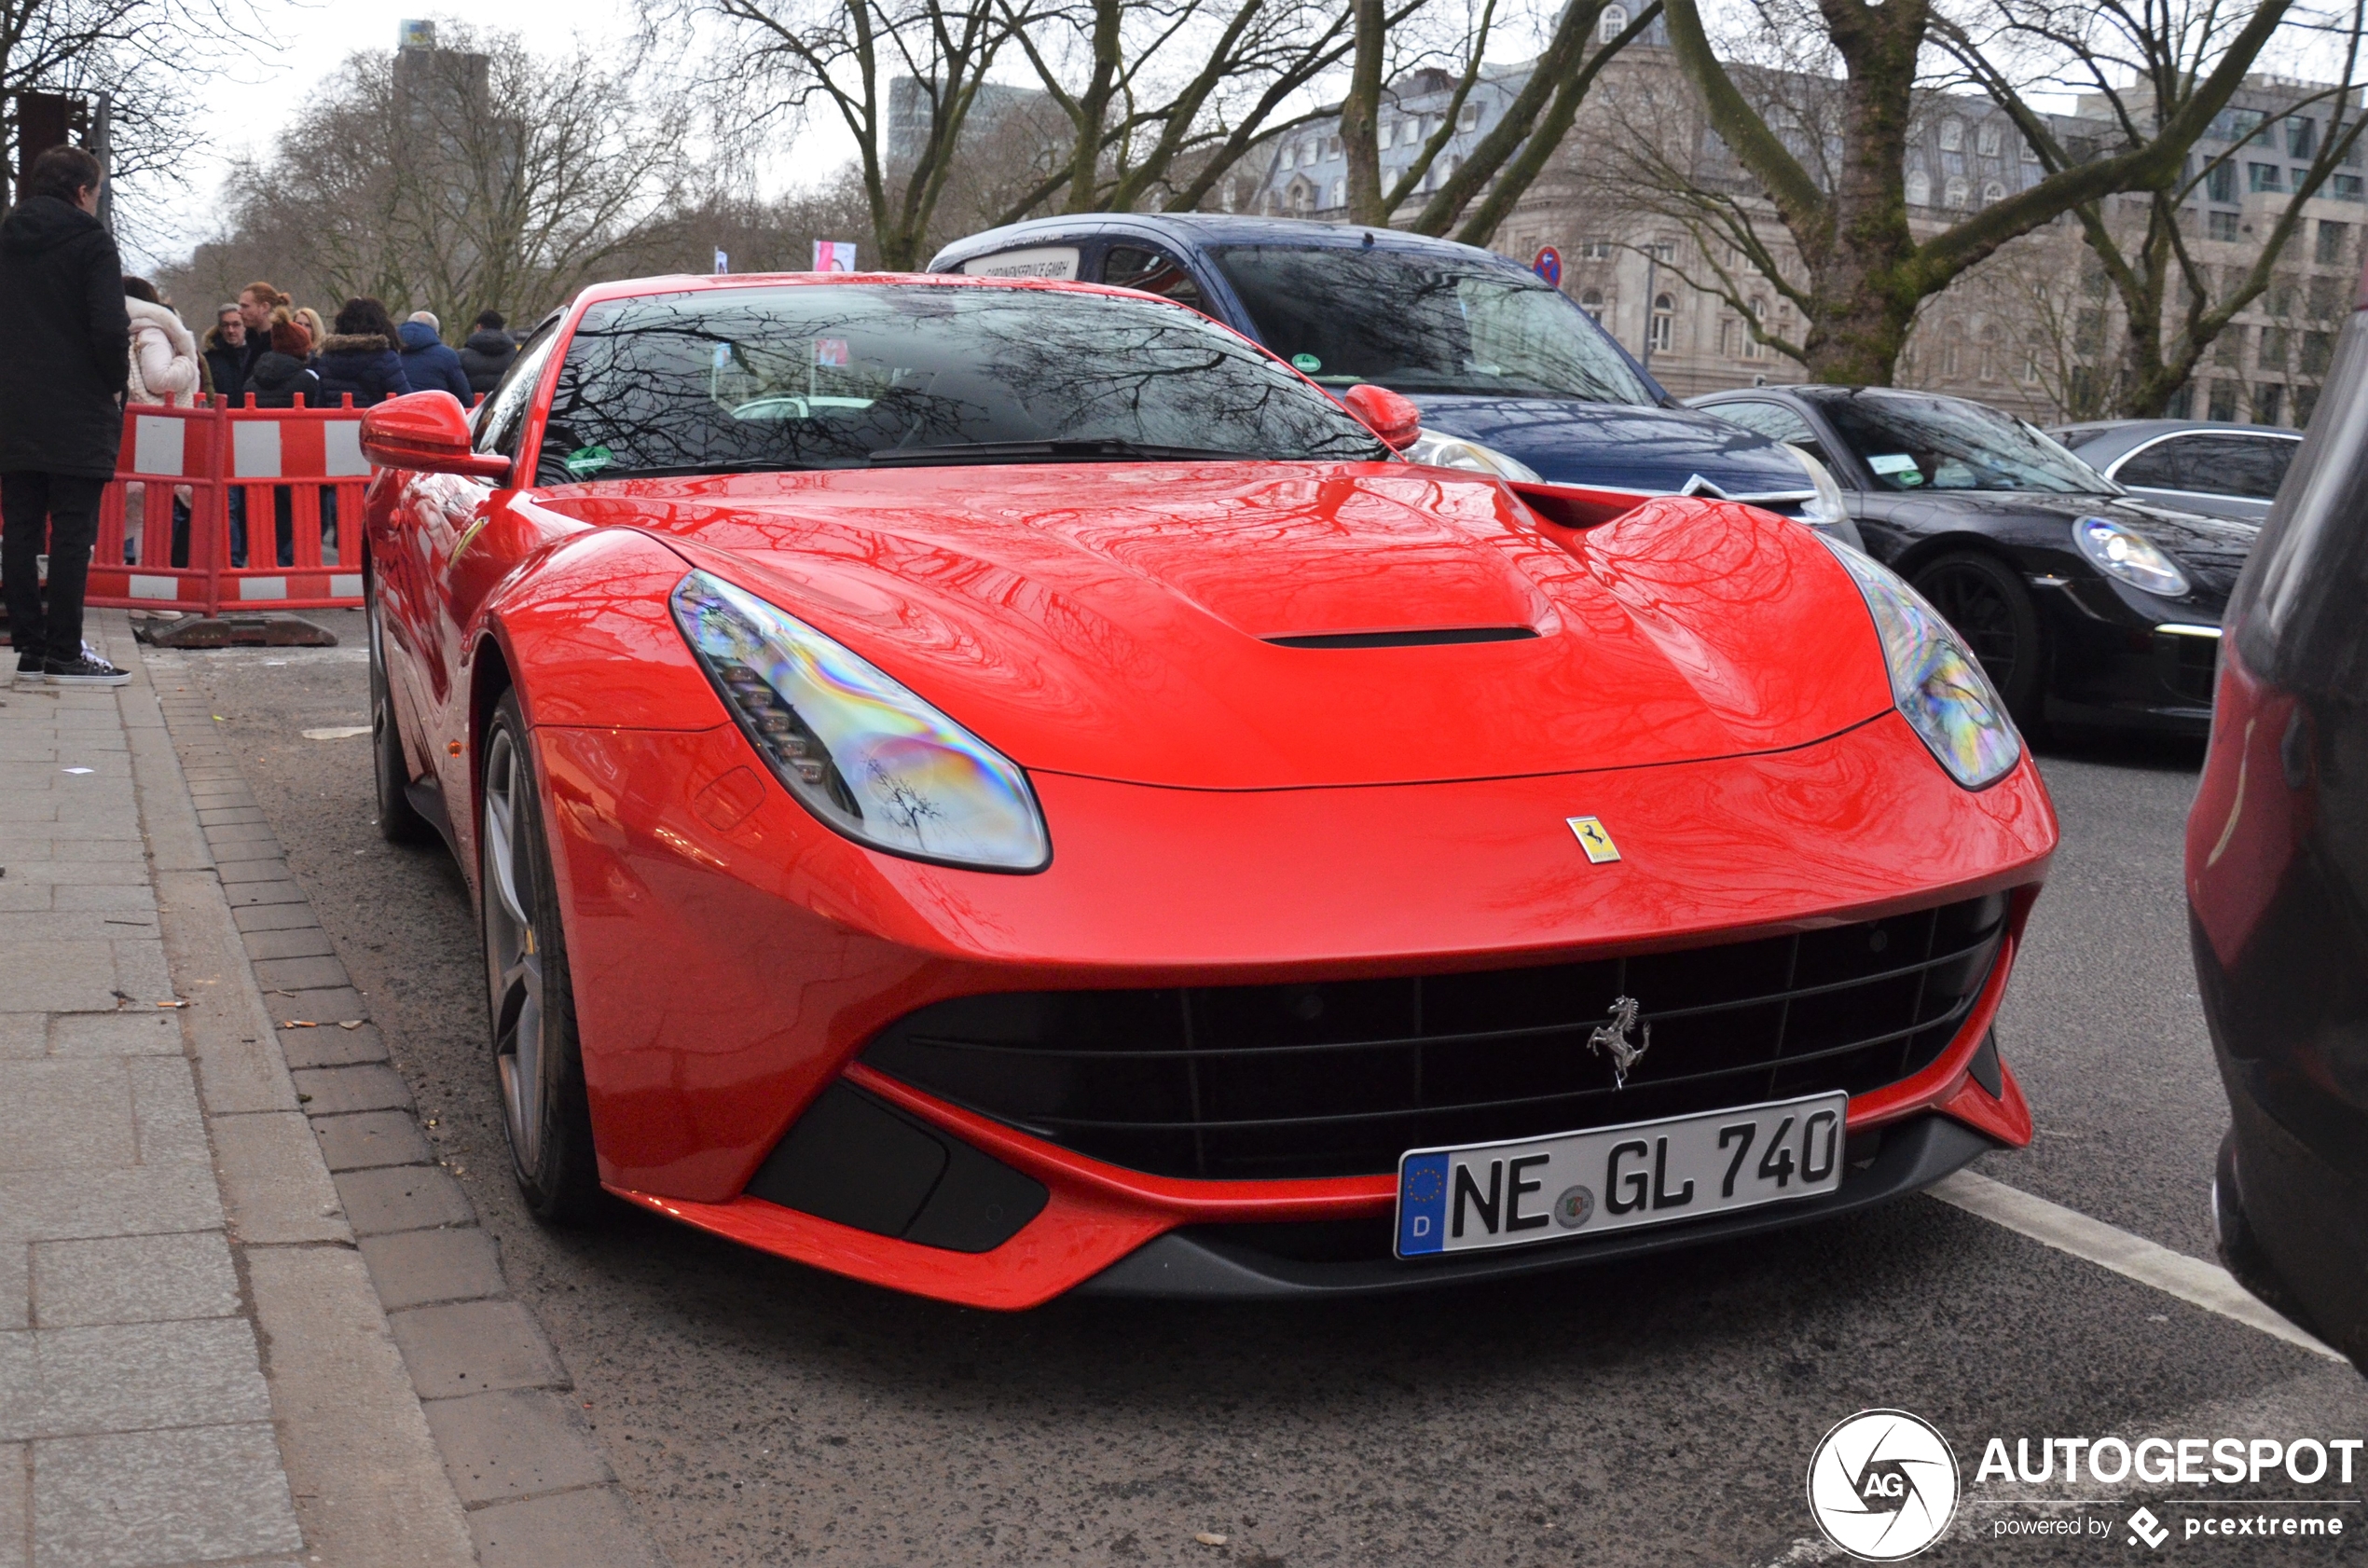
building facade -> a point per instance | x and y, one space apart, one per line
2034 329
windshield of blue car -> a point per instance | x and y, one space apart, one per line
1911 443
1422 323
854 375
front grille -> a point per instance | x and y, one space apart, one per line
1338 1077
2189 666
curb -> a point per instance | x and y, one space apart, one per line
323 1157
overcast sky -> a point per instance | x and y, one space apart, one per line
242 111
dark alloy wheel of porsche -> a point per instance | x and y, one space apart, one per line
1980 596
535 1055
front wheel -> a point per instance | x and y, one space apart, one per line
1982 598
537 1066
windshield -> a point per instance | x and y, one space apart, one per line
852 374
1941 444
1424 323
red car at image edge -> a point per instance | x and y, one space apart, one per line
997 789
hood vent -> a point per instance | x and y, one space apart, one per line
1431 639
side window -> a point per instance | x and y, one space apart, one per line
502 415
1770 419
1775 421
2249 466
1130 266
2281 458
1040 261
2159 467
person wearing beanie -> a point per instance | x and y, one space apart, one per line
427 364
486 357
283 378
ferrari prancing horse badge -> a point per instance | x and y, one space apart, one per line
1594 840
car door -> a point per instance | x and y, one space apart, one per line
466 542
2228 474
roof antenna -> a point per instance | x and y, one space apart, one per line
1369 237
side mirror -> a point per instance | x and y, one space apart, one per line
1386 414
426 432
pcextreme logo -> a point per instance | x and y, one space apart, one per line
1882 1485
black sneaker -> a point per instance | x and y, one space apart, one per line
29 670
87 670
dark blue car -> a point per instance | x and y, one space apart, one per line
1511 377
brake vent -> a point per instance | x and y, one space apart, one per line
1434 637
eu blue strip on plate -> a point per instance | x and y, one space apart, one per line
1421 1203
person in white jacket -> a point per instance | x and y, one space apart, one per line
164 371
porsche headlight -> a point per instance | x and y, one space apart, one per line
2120 551
859 751
1939 686
1454 451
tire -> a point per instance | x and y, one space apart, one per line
1986 601
538 1067
398 822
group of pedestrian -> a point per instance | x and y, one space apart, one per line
81 339
284 357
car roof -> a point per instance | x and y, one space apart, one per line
1200 229
700 282
2142 428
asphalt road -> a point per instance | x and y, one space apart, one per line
761 1412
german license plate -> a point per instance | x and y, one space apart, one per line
1615 1178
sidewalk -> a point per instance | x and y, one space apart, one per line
194 1366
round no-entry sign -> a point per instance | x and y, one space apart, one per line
1548 264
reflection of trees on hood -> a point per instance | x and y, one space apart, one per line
711 381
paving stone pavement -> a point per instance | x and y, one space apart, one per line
516 1449
243 1315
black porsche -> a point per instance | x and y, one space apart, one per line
2087 605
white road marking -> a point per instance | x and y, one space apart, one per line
2191 1279
341 732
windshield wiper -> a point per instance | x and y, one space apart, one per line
1095 449
683 470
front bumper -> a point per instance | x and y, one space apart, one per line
733 958
2122 659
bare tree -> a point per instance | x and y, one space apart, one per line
474 176
138 53
2143 62
1861 270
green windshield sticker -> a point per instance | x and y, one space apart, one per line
1306 365
584 461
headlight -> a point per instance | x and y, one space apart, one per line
859 751
1938 685
2120 551
1454 451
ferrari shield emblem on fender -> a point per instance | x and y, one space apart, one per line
1594 840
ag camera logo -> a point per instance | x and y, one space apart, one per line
1882 1485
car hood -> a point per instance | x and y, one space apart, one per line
1619 446
1113 621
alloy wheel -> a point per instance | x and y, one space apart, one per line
514 966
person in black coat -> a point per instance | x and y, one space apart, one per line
486 357
360 358
65 357
226 354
